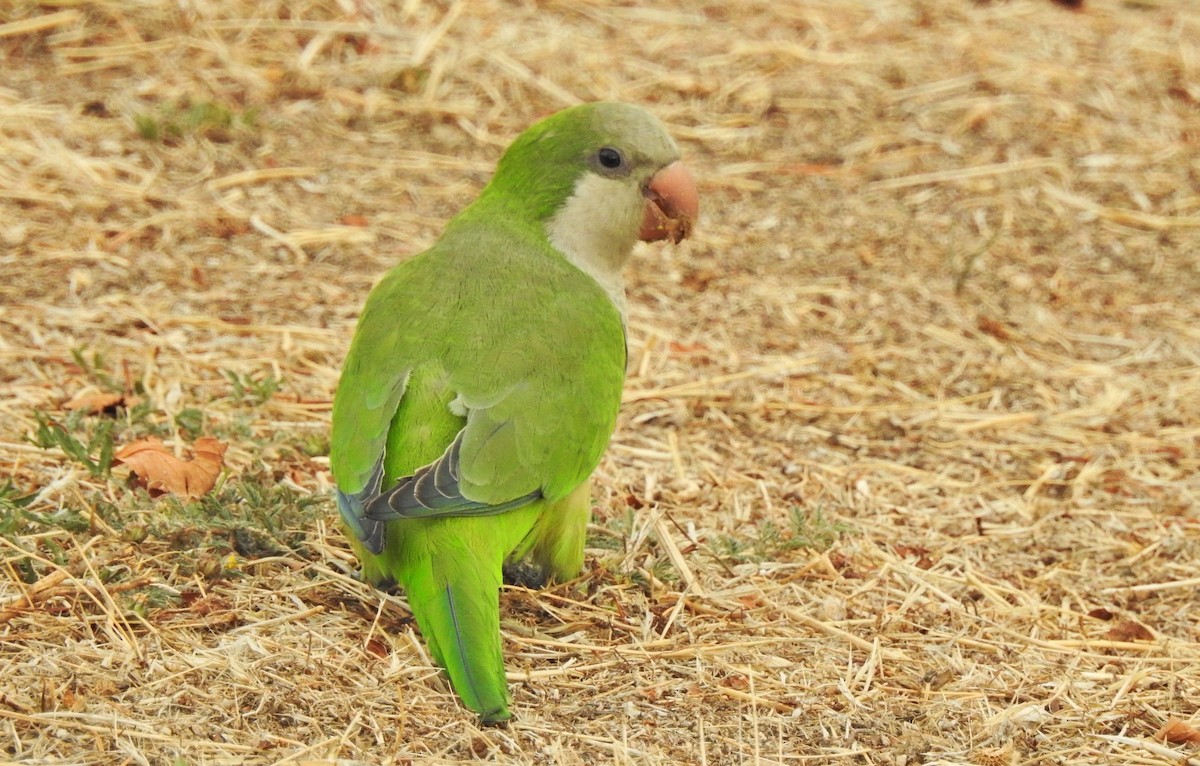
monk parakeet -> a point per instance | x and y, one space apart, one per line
483 381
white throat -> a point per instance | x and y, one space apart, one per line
596 229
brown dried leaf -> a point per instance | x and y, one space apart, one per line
1178 733
737 682
1128 630
378 648
211 605
93 402
227 227
993 327
160 472
698 280
74 701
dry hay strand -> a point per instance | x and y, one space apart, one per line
907 469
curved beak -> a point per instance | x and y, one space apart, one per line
672 205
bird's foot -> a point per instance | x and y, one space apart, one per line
525 574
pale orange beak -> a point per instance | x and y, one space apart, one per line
672 205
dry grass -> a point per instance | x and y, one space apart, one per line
908 470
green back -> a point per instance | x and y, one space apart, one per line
494 316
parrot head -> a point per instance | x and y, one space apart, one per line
599 177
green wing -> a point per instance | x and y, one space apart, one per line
475 384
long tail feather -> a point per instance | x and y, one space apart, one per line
459 614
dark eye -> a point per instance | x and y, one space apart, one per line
610 158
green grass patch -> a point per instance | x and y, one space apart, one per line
807 529
170 123
97 440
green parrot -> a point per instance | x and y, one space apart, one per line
485 374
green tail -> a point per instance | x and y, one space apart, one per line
458 612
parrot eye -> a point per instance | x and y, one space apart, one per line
610 158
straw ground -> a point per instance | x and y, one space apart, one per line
907 472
